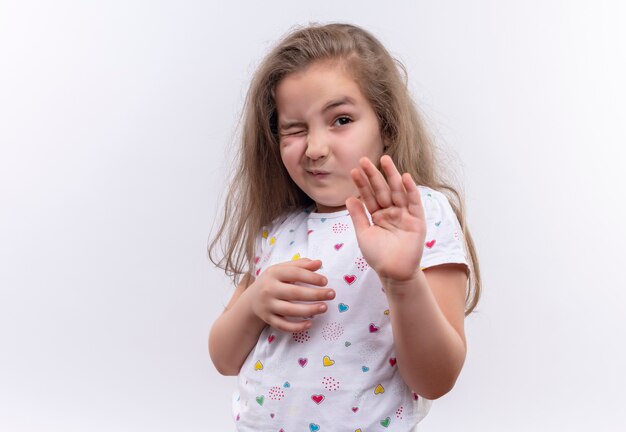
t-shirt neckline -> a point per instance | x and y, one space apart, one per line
314 215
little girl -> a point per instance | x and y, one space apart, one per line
352 280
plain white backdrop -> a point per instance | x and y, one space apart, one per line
117 121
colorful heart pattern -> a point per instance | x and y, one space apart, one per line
318 398
347 303
349 279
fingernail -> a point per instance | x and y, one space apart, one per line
331 294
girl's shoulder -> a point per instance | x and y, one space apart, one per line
436 205
286 219
445 242
428 194
428 191
290 217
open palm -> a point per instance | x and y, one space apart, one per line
394 242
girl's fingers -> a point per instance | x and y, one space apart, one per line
365 191
298 310
394 180
292 292
413 196
357 213
296 271
377 182
305 263
281 323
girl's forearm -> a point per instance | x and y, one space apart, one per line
430 352
233 336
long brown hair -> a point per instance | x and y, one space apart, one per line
261 189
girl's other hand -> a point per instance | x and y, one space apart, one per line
393 245
275 292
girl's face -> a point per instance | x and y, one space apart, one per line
325 126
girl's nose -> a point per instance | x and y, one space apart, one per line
316 147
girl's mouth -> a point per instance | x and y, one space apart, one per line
318 174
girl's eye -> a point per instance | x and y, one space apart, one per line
295 133
343 120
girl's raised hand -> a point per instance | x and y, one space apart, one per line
275 291
393 244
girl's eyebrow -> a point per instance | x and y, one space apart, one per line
345 100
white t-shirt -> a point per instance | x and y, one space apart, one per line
341 374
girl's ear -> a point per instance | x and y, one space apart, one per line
385 144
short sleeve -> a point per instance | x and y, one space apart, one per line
445 242
260 257
262 245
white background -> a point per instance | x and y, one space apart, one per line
116 123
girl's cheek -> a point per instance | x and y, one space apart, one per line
292 152
293 145
288 141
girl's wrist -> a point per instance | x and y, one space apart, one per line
401 288
248 314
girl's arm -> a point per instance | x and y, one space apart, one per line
426 307
262 301
427 315
235 332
